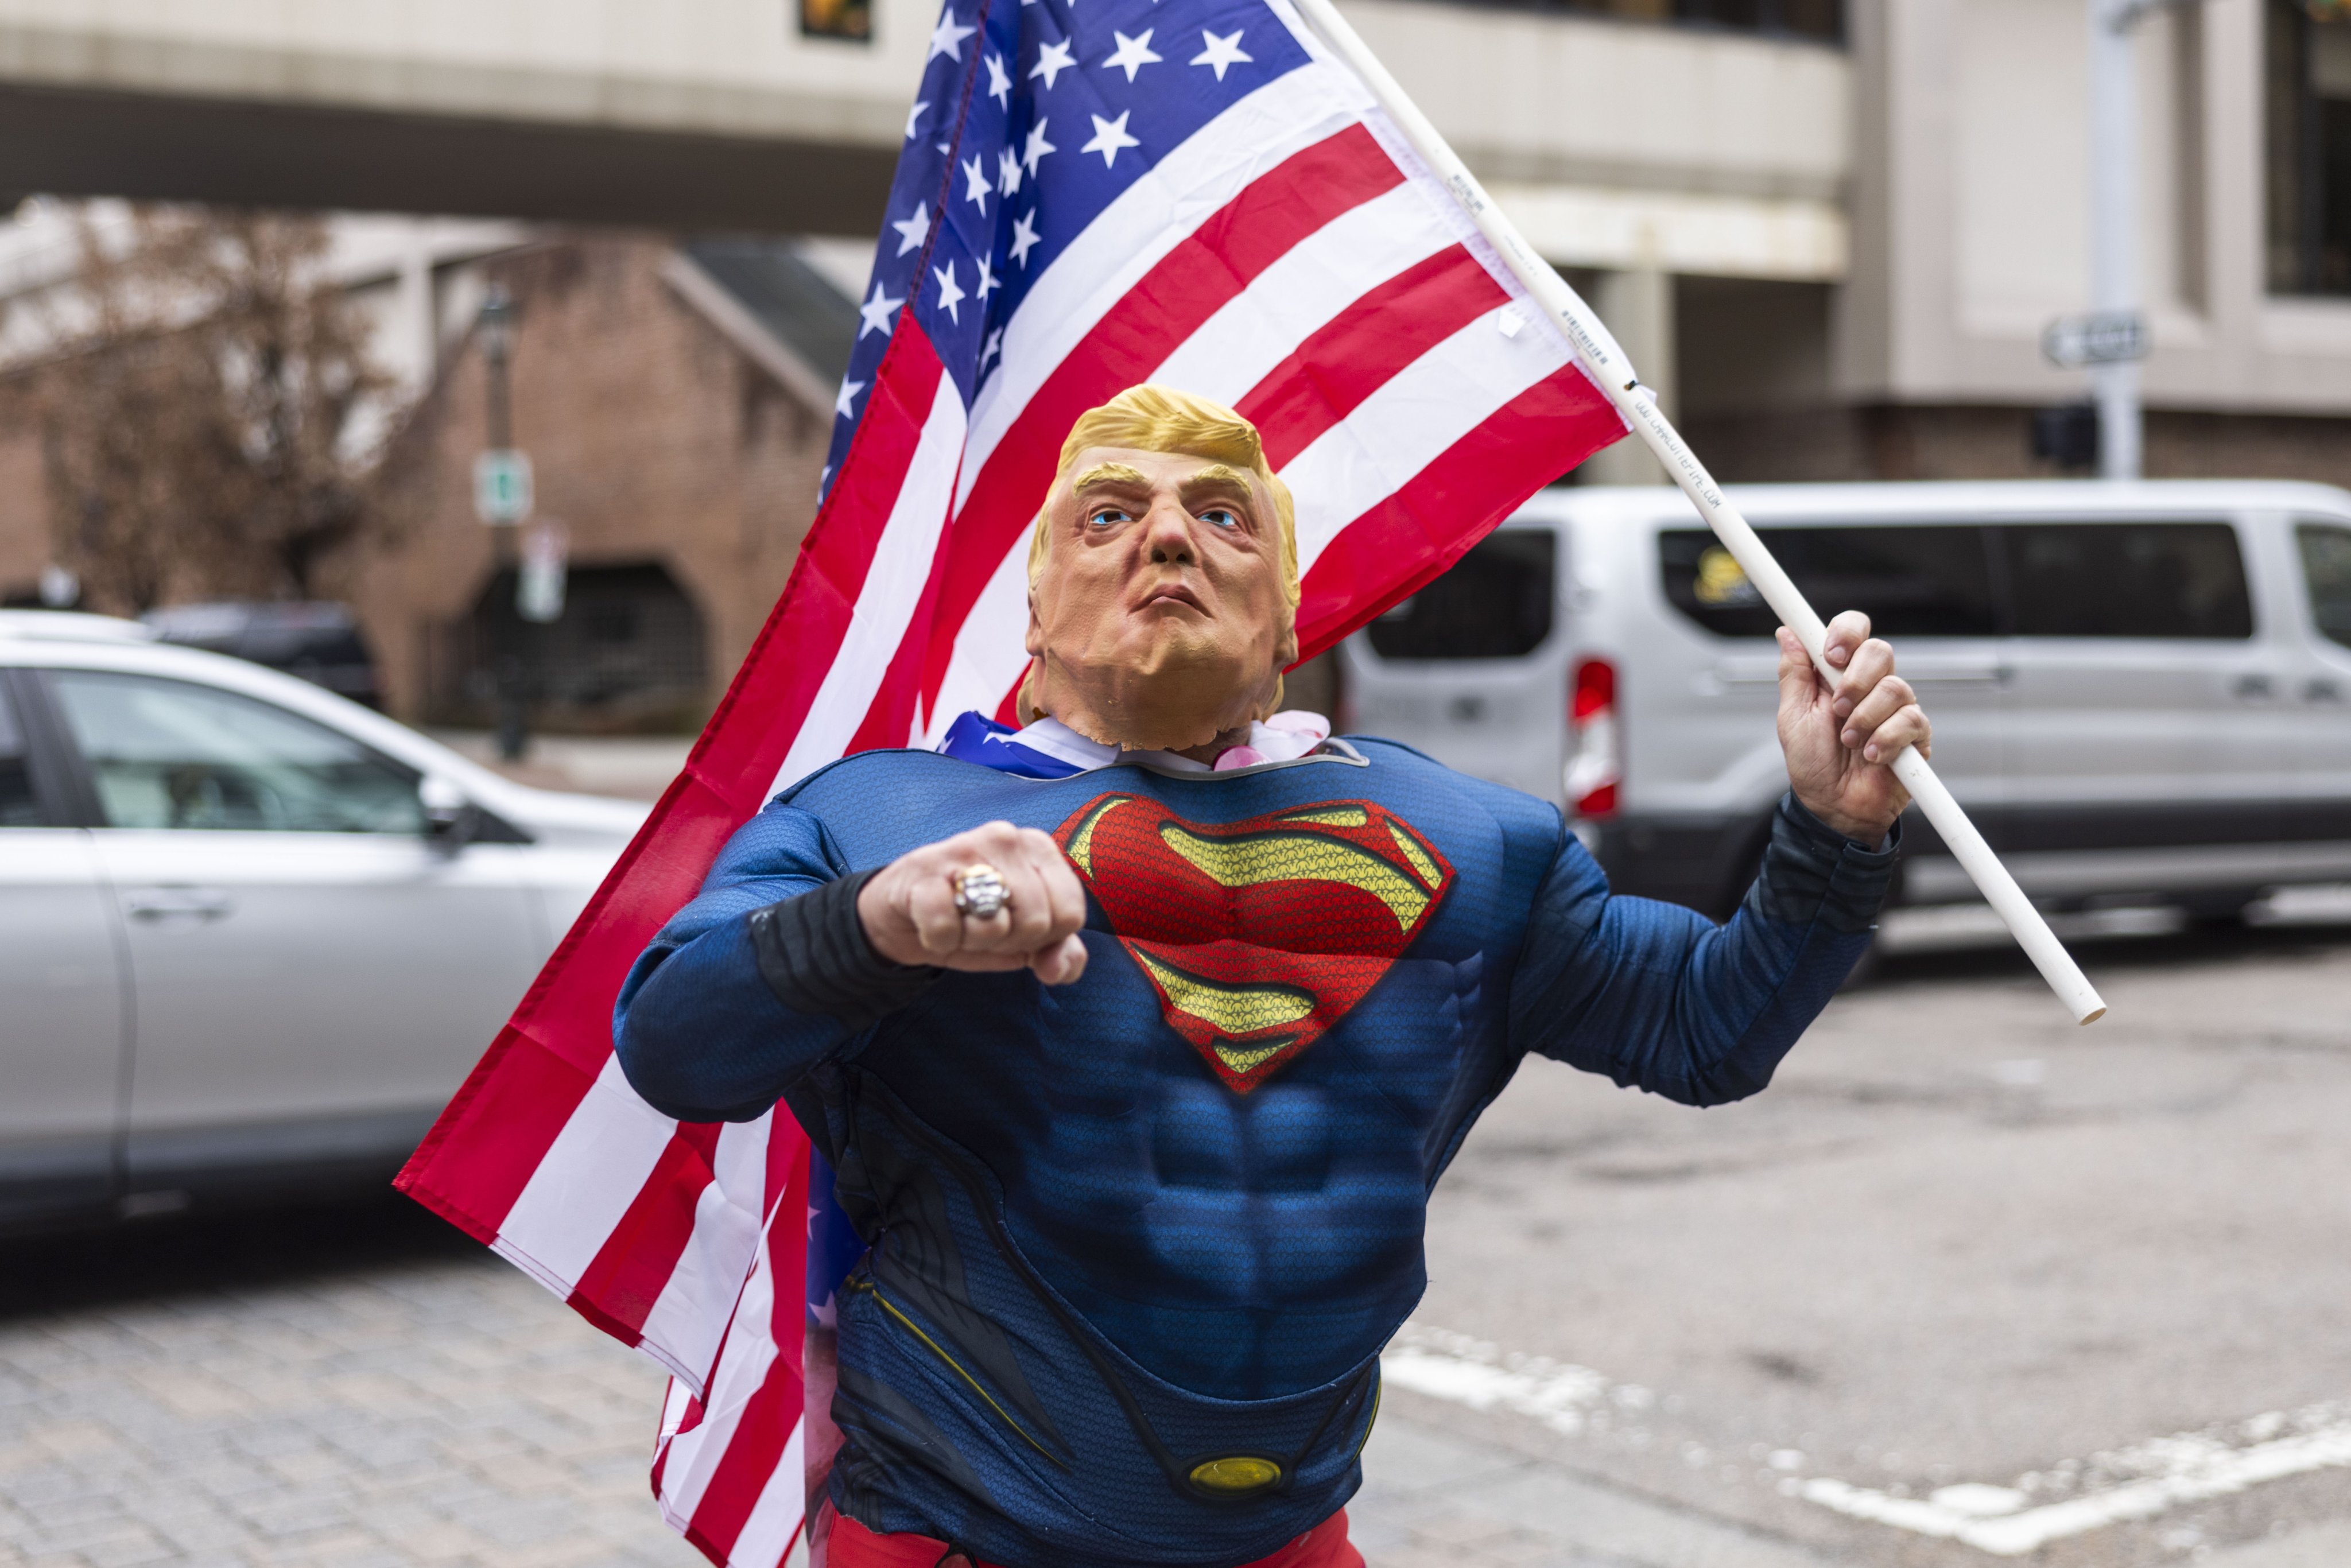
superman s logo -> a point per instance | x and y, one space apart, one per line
1258 935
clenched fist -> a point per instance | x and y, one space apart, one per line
1841 738
909 910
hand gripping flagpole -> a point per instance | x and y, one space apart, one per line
1614 371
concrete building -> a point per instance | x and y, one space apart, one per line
1830 232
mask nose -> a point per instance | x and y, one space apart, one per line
1171 536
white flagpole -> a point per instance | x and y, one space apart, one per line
1614 371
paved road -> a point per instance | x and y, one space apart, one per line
1958 1285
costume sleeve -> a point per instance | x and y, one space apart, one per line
764 974
1658 995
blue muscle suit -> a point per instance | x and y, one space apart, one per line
1136 1243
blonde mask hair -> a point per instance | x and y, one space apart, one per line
1160 419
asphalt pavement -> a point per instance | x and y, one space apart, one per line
1967 1285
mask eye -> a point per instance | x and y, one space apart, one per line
1104 517
1221 516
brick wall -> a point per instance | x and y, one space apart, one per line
651 437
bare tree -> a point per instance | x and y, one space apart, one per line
201 412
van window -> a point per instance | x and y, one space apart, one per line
1495 602
2326 568
1927 581
2126 579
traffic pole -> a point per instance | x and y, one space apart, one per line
2114 226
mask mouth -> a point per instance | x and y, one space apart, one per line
1172 592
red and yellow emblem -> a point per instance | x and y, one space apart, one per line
1258 935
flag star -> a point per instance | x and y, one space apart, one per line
828 1315
1221 52
1000 82
874 315
845 404
1132 54
950 294
1024 236
912 231
1110 135
1037 148
1007 171
988 282
947 38
976 184
914 119
994 347
1052 59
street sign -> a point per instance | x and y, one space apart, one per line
502 486
538 587
2098 338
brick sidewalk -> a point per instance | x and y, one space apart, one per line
432 1411
371 1389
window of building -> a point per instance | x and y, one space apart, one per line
2126 579
2326 568
1823 20
2307 108
628 653
1494 603
1932 580
837 19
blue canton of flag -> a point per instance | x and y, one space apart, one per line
1031 120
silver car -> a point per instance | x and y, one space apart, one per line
2140 692
251 935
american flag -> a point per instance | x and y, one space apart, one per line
1092 194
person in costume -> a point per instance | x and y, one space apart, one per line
1138 1038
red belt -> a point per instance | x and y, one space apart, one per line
852 1545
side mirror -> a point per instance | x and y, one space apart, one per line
451 820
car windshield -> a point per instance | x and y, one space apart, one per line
171 754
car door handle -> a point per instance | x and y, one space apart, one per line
2322 691
181 903
2254 688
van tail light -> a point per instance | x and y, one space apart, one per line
1596 757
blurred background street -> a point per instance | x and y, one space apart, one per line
410 416
1960 1244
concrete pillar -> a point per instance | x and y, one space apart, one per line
419 325
1638 308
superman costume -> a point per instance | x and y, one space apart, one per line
1136 1243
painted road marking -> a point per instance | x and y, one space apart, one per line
2067 1499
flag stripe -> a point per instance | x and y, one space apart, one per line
1451 503
635 1262
901 556
1325 272
586 1182
1399 429
721 1250
1351 357
483 1151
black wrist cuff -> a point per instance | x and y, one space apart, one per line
814 954
1813 871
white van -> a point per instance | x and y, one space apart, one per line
2138 691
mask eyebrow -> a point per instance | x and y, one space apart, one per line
1110 475
1216 478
